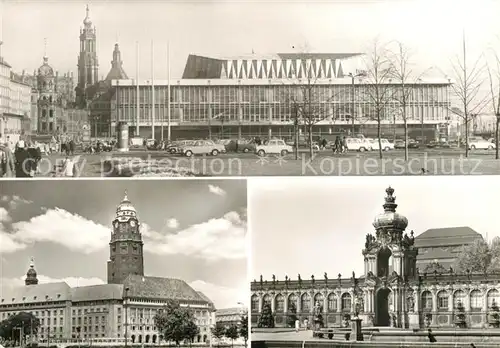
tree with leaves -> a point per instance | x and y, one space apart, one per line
467 88
232 333
244 328
377 90
176 323
27 322
266 319
480 256
218 331
292 315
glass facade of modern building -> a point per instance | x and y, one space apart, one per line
243 108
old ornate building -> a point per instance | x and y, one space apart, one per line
98 312
88 66
392 291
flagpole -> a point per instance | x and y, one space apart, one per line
152 92
137 113
169 130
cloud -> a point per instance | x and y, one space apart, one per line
4 215
42 279
216 190
215 239
62 227
221 296
14 201
173 223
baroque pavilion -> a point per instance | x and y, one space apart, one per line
408 282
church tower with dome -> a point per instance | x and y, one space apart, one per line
88 66
126 245
47 97
31 276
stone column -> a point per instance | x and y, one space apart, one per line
260 303
285 303
299 303
450 301
273 303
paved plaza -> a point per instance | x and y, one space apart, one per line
324 163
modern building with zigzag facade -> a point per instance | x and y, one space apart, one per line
249 96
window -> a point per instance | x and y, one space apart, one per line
319 298
266 301
332 303
255 303
292 303
346 302
458 299
280 303
426 301
476 300
305 303
493 298
442 300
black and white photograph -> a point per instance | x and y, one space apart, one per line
374 262
249 88
123 263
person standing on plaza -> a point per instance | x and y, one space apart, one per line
72 147
324 143
23 162
338 145
344 145
7 162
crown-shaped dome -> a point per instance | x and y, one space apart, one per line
389 218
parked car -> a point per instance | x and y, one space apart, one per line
241 145
481 145
176 146
202 147
358 144
386 145
273 146
399 144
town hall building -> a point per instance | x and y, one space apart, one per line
123 309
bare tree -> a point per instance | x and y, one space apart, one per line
311 105
377 88
402 72
467 88
494 86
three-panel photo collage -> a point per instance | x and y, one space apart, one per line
283 174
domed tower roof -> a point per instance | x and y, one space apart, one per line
87 22
31 275
45 69
389 219
125 209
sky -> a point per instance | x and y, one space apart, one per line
310 226
192 230
432 29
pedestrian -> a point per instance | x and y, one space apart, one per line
23 163
432 338
344 145
338 145
7 162
35 156
324 143
72 147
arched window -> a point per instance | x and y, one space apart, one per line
292 303
476 301
332 302
458 299
255 303
442 300
493 298
319 298
305 303
279 303
346 302
426 301
266 300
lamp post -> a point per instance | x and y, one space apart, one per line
125 305
353 106
422 118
